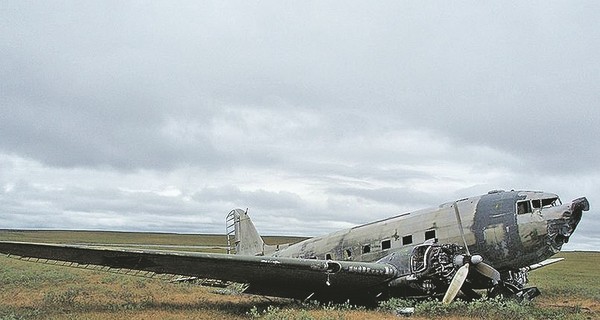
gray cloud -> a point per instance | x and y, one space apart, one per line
260 199
118 82
398 196
315 115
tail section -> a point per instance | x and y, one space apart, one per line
242 237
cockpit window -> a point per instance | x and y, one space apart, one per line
524 207
550 202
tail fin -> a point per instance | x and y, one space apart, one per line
240 229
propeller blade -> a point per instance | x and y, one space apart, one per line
460 226
457 281
488 271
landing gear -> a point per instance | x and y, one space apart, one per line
502 290
509 291
469 293
512 286
528 294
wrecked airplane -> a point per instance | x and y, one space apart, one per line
488 242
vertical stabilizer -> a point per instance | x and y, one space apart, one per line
246 240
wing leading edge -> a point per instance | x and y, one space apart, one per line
287 277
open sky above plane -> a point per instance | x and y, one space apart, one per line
164 116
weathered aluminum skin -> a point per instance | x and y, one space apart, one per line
491 225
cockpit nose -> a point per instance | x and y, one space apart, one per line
561 229
573 215
580 204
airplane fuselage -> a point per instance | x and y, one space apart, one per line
509 229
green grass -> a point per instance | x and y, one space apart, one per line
576 276
102 237
212 243
485 309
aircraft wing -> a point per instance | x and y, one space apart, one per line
287 277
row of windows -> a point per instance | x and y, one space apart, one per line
526 206
385 244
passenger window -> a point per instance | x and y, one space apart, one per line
407 240
347 253
537 204
328 256
386 244
523 207
367 248
429 234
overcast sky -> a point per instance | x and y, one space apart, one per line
164 116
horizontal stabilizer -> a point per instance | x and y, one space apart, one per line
543 264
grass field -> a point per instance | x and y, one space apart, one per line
570 290
151 240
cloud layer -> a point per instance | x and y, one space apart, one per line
162 117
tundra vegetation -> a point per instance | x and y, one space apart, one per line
570 290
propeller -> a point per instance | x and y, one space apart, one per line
457 281
461 274
488 271
460 226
